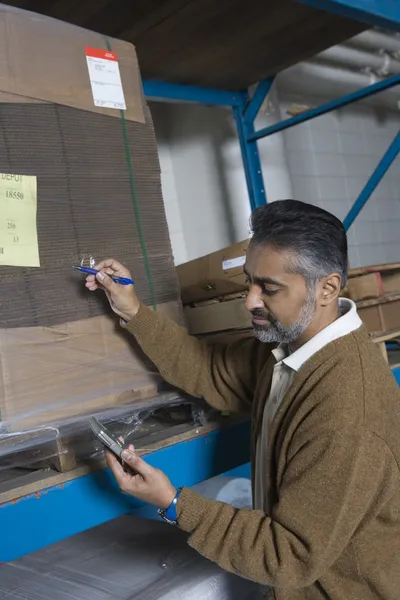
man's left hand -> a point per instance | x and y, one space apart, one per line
145 483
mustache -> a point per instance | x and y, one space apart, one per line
258 313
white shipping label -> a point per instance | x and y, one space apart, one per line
233 263
105 78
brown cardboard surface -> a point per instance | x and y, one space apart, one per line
49 374
365 286
373 283
371 317
382 314
85 207
391 282
206 278
218 316
44 58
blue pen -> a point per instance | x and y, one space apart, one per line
120 280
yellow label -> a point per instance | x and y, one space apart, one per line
18 231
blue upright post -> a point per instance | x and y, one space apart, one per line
244 117
373 181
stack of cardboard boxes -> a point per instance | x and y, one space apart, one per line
75 124
214 288
376 290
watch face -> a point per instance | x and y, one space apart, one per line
161 514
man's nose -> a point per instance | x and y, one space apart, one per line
254 298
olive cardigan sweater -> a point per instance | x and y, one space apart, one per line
334 455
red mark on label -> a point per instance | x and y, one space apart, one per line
99 53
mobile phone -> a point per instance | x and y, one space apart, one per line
108 439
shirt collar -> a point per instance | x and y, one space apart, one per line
348 322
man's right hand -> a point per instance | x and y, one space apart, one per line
122 298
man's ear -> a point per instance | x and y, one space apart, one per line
330 289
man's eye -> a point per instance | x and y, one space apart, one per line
269 292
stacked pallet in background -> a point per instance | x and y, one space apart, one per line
72 114
376 290
214 288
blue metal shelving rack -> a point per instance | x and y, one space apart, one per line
54 513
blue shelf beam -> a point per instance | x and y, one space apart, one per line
253 104
328 107
53 514
245 110
173 92
377 13
387 160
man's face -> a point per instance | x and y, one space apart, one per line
281 304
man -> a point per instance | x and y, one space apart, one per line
325 420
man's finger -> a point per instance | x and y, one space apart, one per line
116 267
136 463
116 467
106 281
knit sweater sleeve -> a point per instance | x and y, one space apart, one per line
329 487
223 374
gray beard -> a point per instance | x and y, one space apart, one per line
276 332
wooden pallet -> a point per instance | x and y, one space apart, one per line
56 448
38 450
19 483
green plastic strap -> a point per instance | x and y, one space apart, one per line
135 202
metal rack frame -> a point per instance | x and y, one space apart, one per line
64 510
245 110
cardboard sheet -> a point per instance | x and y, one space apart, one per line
49 374
44 58
84 207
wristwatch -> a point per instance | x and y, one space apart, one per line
169 514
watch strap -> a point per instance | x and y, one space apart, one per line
169 514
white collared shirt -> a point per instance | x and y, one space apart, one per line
285 369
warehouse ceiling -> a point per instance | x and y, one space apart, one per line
227 44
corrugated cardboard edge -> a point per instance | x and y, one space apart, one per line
45 59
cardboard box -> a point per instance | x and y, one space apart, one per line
53 374
382 314
365 287
216 274
218 317
99 194
374 282
46 59
96 176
